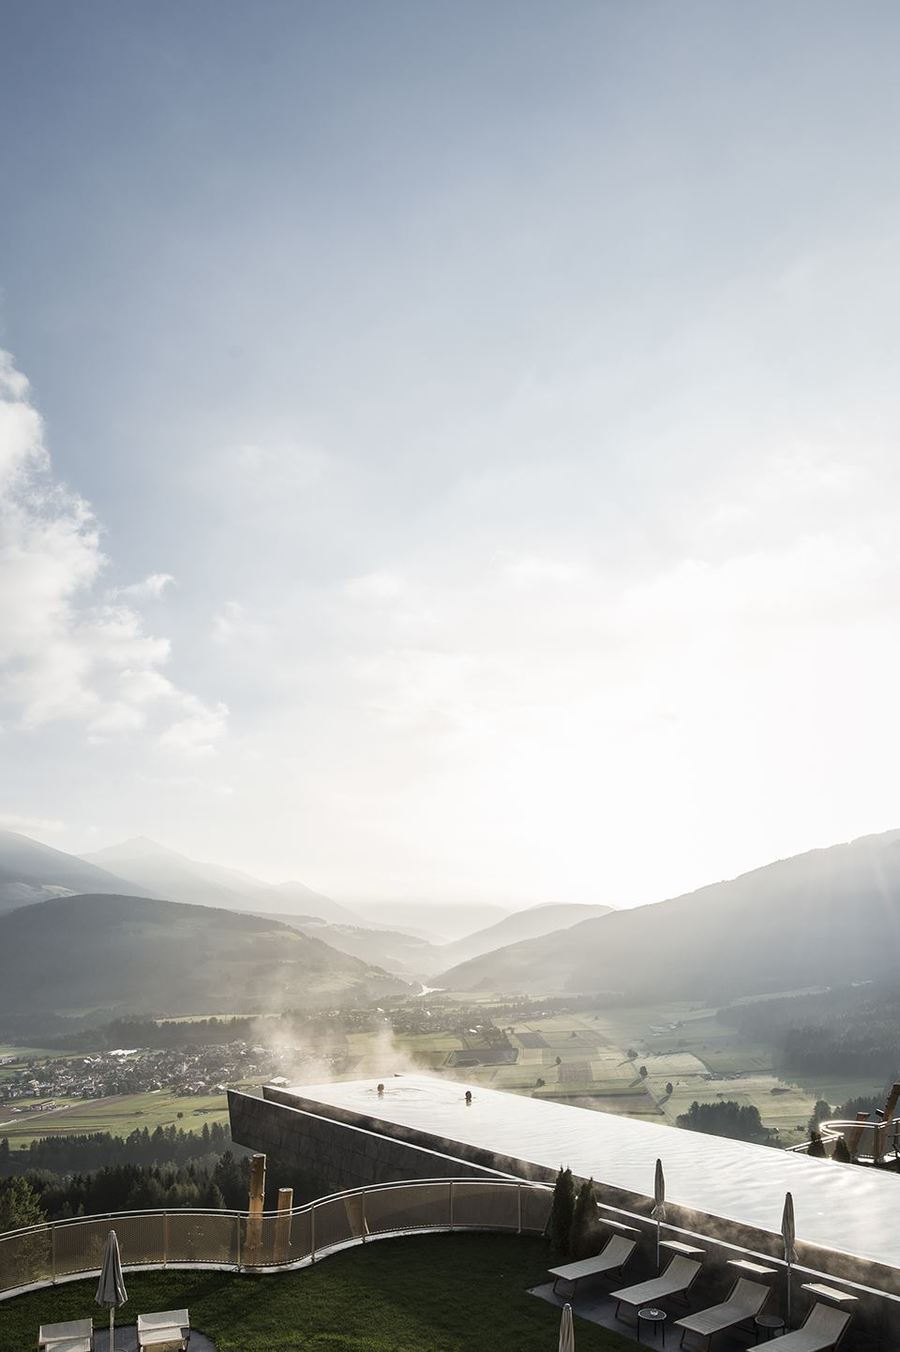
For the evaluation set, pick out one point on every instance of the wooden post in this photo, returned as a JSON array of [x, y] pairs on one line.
[[255, 1209], [854, 1135], [283, 1225], [889, 1110]]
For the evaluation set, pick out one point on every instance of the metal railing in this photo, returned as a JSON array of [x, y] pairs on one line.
[[865, 1139], [59, 1250], [67, 1250]]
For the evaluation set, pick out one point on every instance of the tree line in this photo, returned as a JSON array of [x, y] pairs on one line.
[[40, 1195], [847, 1030], [84, 1153], [739, 1122]]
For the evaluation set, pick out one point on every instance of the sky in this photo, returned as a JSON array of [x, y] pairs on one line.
[[450, 451]]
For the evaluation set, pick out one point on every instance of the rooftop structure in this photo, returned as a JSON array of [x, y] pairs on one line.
[[839, 1207]]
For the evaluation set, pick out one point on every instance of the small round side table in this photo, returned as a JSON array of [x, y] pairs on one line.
[[655, 1318], [770, 1324]]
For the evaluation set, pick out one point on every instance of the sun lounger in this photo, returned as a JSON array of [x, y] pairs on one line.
[[677, 1280], [822, 1330], [167, 1331], [612, 1258], [78, 1331], [745, 1300]]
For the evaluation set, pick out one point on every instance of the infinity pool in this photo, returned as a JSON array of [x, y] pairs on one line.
[[839, 1206]]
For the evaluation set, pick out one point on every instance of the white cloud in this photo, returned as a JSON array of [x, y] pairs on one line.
[[148, 589], [31, 826], [65, 653], [379, 586], [198, 730]]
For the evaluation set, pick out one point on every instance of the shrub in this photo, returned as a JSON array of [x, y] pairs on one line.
[[841, 1152], [583, 1235], [559, 1226], [816, 1146]]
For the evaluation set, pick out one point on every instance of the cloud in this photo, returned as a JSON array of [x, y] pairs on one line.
[[379, 586], [31, 826], [67, 653], [147, 590], [198, 730]]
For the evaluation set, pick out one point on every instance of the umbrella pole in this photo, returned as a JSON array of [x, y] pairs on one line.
[[112, 1328], [788, 1297], [657, 1247]]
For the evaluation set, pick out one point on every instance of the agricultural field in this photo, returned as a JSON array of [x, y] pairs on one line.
[[581, 1058], [24, 1053], [577, 1057], [118, 1115]]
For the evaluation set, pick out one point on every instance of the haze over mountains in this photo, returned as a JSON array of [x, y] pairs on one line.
[[431, 920], [521, 925], [827, 917], [410, 955], [157, 871], [103, 952], [30, 872]]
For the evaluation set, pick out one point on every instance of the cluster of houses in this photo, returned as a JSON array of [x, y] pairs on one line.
[[34, 1085]]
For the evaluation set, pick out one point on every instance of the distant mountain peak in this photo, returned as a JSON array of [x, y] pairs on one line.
[[142, 847], [825, 917]]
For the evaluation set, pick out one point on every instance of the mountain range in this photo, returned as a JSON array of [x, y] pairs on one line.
[[154, 870], [411, 956], [125, 954], [533, 923], [827, 917], [31, 872]]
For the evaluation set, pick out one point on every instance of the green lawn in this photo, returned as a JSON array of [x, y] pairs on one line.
[[430, 1293]]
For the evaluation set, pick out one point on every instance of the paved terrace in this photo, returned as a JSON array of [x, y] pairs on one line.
[[839, 1207]]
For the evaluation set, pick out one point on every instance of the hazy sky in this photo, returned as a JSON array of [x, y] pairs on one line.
[[450, 450]]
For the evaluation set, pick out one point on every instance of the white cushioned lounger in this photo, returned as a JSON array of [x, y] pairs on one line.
[[167, 1329], [823, 1329], [612, 1258], [745, 1300], [677, 1280], [72, 1329]]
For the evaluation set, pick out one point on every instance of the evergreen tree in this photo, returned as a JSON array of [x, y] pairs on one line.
[[583, 1234], [816, 1146], [726, 1118], [211, 1197], [559, 1226], [229, 1179], [820, 1113], [841, 1152], [19, 1207]]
